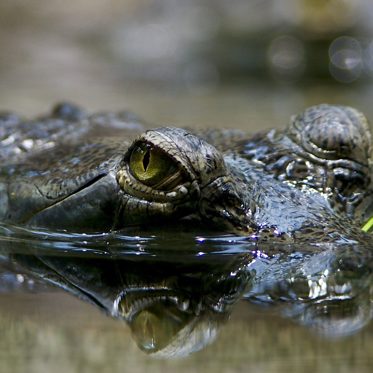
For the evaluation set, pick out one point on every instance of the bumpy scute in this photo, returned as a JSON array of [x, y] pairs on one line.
[[72, 170], [333, 132]]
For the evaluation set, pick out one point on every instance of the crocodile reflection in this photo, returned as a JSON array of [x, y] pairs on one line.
[[175, 305], [329, 291], [172, 309]]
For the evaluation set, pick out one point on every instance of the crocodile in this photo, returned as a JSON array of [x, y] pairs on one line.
[[76, 171]]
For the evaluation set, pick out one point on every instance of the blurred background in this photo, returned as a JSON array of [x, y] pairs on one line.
[[236, 63]]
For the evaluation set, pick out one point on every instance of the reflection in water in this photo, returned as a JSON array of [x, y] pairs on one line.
[[172, 308], [175, 294], [329, 291]]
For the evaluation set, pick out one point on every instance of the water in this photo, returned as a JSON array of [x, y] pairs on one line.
[[115, 302], [136, 303]]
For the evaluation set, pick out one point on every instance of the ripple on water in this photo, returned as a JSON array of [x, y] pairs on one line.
[[326, 287]]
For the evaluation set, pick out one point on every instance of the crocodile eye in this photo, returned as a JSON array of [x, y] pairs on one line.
[[152, 166]]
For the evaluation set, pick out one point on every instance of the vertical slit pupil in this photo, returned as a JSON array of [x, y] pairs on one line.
[[146, 160]]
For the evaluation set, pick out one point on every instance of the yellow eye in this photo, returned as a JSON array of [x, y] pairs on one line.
[[151, 166]]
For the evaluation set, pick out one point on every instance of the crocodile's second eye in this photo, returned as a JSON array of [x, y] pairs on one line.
[[151, 166]]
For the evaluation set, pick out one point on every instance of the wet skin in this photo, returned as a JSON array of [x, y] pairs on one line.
[[71, 170]]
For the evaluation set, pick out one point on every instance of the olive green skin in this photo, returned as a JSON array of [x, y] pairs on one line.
[[309, 182]]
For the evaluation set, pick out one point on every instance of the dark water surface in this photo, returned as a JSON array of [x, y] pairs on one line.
[[185, 302]]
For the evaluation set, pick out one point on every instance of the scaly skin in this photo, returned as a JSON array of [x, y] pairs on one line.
[[70, 170]]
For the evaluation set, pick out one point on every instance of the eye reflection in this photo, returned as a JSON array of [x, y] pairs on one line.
[[154, 328]]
